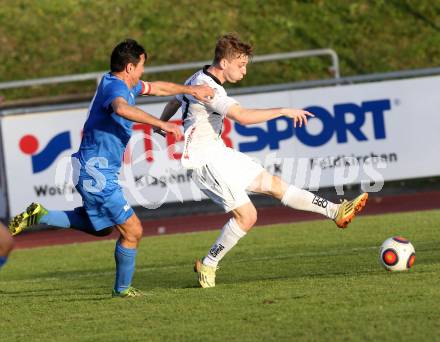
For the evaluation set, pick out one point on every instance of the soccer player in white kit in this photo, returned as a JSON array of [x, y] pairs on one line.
[[226, 175]]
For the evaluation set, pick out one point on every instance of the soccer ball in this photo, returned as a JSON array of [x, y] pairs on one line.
[[397, 254]]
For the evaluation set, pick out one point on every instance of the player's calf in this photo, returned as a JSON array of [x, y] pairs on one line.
[[245, 216]]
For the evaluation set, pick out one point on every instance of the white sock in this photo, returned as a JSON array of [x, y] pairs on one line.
[[228, 238], [300, 199]]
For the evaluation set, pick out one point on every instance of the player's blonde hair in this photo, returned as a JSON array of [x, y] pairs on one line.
[[231, 46]]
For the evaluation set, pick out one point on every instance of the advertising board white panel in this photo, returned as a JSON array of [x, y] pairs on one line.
[[362, 133]]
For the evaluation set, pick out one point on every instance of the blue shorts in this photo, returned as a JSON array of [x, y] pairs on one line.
[[107, 207]]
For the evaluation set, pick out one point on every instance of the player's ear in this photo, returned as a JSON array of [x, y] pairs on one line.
[[129, 67], [223, 63]]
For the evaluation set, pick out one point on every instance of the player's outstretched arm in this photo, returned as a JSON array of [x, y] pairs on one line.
[[132, 113], [201, 92], [247, 116]]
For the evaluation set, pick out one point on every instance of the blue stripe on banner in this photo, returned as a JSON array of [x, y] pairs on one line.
[[54, 148]]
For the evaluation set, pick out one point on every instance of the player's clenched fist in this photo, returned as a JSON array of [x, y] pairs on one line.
[[172, 128], [202, 92]]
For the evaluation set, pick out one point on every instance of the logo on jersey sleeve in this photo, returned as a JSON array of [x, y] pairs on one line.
[[29, 145]]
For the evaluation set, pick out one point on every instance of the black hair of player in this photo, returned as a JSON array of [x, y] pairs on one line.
[[126, 52]]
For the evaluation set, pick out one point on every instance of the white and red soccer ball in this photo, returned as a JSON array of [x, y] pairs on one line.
[[397, 254]]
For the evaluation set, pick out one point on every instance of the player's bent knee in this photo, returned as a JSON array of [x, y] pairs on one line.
[[139, 233], [246, 216], [278, 187], [134, 234], [252, 218], [131, 231], [248, 220]]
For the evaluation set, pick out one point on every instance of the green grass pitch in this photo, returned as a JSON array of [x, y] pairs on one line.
[[307, 281]]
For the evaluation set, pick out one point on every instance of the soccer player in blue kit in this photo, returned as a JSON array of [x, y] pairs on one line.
[[97, 163]]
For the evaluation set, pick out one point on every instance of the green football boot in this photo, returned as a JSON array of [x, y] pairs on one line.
[[131, 292], [348, 210], [205, 274], [26, 219]]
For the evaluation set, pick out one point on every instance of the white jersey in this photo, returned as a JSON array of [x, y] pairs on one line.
[[203, 122], [222, 173]]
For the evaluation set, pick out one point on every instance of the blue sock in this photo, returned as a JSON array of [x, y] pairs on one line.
[[77, 219], [125, 261], [56, 218], [3, 260]]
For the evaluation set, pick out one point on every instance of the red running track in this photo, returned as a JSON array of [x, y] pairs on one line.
[[268, 215]]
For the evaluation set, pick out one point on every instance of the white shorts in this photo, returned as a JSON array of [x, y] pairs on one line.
[[225, 178]]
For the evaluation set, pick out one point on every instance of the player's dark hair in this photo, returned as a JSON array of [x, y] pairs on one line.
[[231, 46], [128, 51]]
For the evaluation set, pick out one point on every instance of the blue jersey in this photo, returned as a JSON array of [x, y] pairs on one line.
[[105, 133]]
